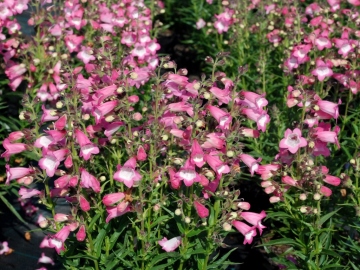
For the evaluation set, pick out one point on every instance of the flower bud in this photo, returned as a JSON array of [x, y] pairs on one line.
[[85, 116], [227, 227], [164, 137], [230, 153], [274, 199], [303, 196], [233, 215], [303, 209], [102, 178], [109, 118], [317, 196], [120, 90], [156, 207], [207, 96], [199, 123], [59, 105], [187, 220], [178, 212]]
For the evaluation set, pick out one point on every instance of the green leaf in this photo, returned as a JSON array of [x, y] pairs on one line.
[[222, 262], [282, 241], [163, 256], [159, 220], [93, 220], [195, 232], [12, 209], [323, 219], [99, 240]]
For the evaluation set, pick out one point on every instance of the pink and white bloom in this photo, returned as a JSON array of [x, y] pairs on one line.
[[250, 162], [223, 118], [26, 193], [170, 245], [51, 160], [293, 140], [12, 148], [259, 116], [197, 154], [323, 70], [4, 246], [216, 164], [246, 230], [329, 108], [200, 24], [254, 219], [87, 148], [16, 173], [87, 180], [188, 174], [111, 199], [117, 211], [127, 173], [45, 259]]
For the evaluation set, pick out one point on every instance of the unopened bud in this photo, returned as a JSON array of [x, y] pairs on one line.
[[109, 118], [178, 212], [136, 133], [85, 116], [59, 105], [233, 215], [113, 141], [317, 196], [102, 178], [230, 153], [164, 137], [36, 61], [226, 227], [120, 90], [199, 123], [303, 209], [22, 116], [303, 196], [156, 207], [187, 220], [207, 96], [204, 223]]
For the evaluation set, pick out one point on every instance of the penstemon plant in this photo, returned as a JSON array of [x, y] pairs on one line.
[[146, 168]]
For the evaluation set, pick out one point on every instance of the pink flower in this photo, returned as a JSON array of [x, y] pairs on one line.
[[223, 96], [12, 148], [101, 110], [200, 23], [261, 117], [254, 219], [216, 164], [250, 162], [113, 198], [223, 118], [322, 70], [332, 180], [288, 181], [89, 181], [117, 211], [45, 259], [51, 160], [17, 172], [325, 191], [81, 234], [127, 173], [214, 140], [329, 108], [197, 154], [293, 140], [26, 193], [4, 247], [86, 146], [84, 204], [170, 245], [141, 154], [188, 174], [201, 210], [246, 230]]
